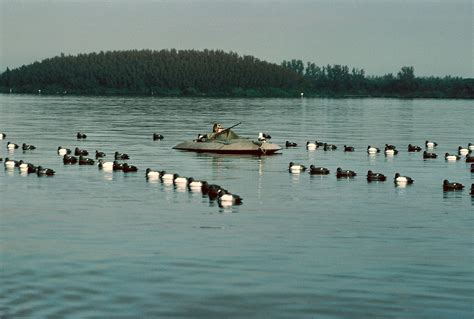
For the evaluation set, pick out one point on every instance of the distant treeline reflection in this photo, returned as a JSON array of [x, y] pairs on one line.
[[216, 73]]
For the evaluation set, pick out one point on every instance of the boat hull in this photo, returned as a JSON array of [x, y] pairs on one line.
[[235, 147]]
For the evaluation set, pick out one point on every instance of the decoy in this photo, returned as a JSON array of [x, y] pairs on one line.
[[402, 179], [26, 147], [69, 159], [44, 171], [157, 136], [414, 148], [318, 170], [63, 151], [79, 152], [99, 154], [296, 168], [121, 156], [447, 186], [430, 144], [427, 155], [371, 176], [12, 146], [340, 173]]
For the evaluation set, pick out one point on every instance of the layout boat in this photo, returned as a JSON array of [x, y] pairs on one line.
[[227, 142]]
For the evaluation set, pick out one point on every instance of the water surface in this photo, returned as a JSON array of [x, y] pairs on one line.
[[87, 243]]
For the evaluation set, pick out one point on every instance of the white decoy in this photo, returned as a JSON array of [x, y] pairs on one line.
[[169, 177], [152, 174], [311, 145], [463, 151], [372, 150], [402, 179], [12, 146], [3, 136], [431, 144], [180, 180], [63, 151], [451, 157], [390, 151], [296, 168], [9, 164], [106, 166]]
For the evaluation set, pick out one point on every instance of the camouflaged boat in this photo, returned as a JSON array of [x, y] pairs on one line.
[[227, 142]]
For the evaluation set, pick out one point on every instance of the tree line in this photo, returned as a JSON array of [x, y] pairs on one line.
[[336, 80], [215, 73]]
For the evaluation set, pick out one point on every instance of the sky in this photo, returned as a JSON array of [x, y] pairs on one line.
[[435, 37]]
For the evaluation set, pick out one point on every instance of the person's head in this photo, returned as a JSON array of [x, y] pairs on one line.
[[217, 127]]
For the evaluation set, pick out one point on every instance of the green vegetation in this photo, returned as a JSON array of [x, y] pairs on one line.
[[337, 80], [215, 73]]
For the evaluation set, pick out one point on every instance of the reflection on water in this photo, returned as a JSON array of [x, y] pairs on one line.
[[299, 246]]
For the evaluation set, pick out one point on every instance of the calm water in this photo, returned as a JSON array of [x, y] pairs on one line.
[[86, 243]]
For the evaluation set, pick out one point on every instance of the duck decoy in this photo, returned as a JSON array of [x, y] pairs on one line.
[[296, 168], [390, 151], [373, 150], [27, 168], [427, 155], [79, 152], [414, 148], [69, 159], [121, 156], [318, 170], [181, 180], [168, 177], [470, 146], [196, 185], [430, 144], [398, 179], [290, 144], [311, 145], [63, 151], [329, 147], [99, 154], [44, 171], [319, 144], [340, 173], [451, 157], [152, 174], [372, 177], [215, 191], [12, 146], [129, 168], [469, 158], [157, 136], [227, 199], [348, 148], [205, 188], [11, 163], [85, 161], [27, 147], [108, 166], [80, 135], [3, 136], [447, 186], [463, 151], [391, 147], [116, 166]]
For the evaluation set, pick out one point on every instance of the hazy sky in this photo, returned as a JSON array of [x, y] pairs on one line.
[[436, 37]]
